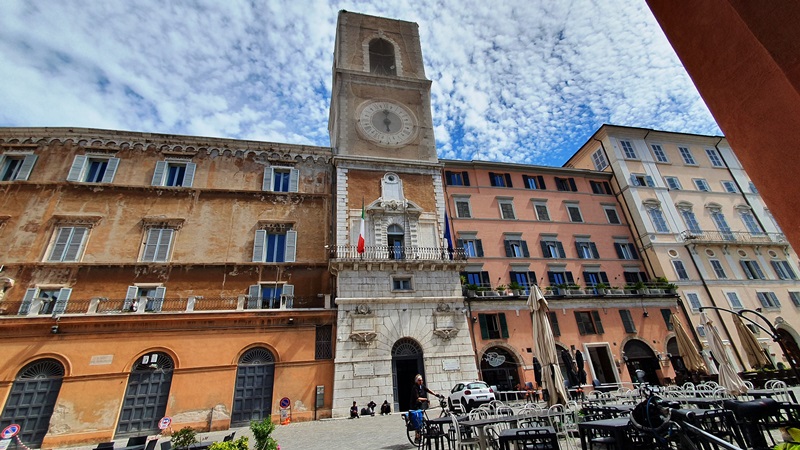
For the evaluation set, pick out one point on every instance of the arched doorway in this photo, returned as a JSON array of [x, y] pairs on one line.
[[252, 397], [638, 356], [675, 356], [32, 399], [499, 368], [146, 396], [394, 236], [792, 349], [407, 362]]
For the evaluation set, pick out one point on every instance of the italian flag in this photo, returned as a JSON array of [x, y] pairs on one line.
[[361, 242]]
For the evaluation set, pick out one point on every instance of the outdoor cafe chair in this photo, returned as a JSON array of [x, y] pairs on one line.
[[563, 423], [503, 411], [458, 439]]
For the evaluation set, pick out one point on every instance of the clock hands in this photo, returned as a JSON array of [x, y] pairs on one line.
[[386, 120]]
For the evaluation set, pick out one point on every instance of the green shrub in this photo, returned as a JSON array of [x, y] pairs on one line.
[[238, 444], [183, 438], [261, 433]]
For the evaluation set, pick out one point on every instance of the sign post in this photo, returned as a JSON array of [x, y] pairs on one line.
[[286, 411]]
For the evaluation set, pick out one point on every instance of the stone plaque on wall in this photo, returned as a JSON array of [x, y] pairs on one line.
[[363, 324], [363, 370], [451, 364], [101, 360]]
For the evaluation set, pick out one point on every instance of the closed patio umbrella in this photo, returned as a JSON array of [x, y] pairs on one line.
[[572, 376], [581, 368], [728, 378], [755, 356], [545, 348], [691, 356]]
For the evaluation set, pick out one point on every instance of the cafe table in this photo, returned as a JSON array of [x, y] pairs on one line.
[[478, 425], [536, 436], [761, 393], [614, 427]]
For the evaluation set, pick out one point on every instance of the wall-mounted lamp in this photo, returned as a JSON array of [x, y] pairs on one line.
[[54, 329], [291, 320], [645, 314], [474, 318]]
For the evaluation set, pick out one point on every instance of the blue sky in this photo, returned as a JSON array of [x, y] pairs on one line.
[[519, 80]]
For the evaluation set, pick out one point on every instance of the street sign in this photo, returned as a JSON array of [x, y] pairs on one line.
[[10, 431], [4, 443], [164, 423], [285, 402]]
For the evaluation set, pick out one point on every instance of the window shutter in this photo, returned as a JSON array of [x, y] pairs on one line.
[[627, 321], [578, 249], [650, 181], [570, 279], [507, 246], [593, 246], [634, 254], [525, 251], [545, 251], [758, 271], [188, 176], [541, 182], [603, 277], [581, 326], [465, 176], [775, 299], [291, 246], [62, 238], [586, 278], [643, 276], [484, 327], [503, 326], [259, 246], [491, 179], [26, 168], [631, 277], [164, 245], [287, 296], [448, 177], [25, 307], [525, 183], [485, 279], [478, 247], [597, 322], [459, 243], [266, 184], [111, 170], [618, 248], [159, 172], [158, 300], [634, 180], [551, 277], [789, 270], [532, 278], [294, 180], [130, 296], [554, 323], [561, 251], [508, 180], [607, 185], [746, 270], [572, 185], [778, 270], [76, 169], [762, 298], [254, 296], [75, 244], [61, 302], [150, 245]]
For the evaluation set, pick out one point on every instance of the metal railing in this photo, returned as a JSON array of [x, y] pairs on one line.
[[730, 237], [387, 253]]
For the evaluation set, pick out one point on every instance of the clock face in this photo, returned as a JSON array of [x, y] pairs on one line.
[[386, 123]]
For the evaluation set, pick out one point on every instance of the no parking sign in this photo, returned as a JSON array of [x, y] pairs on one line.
[[10, 431], [164, 423]]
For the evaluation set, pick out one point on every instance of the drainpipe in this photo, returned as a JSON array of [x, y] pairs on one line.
[[472, 337]]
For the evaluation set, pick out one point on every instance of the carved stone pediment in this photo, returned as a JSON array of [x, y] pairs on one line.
[[363, 337]]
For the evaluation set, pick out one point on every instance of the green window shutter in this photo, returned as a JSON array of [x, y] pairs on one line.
[[627, 321], [77, 168], [478, 248], [579, 321], [484, 326], [259, 246], [598, 324], [503, 326], [291, 246], [553, 317], [111, 170], [507, 246], [159, 173]]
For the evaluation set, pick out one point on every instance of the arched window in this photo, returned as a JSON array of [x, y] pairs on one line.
[[381, 57]]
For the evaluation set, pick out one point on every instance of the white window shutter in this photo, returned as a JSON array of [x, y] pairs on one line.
[[159, 173], [762, 299], [25, 307], [294, 180], [133, 293], [61, 302], [159, 300], [26, 168], [188, 176], [287, 296], [75, 244], [254, 296], [260, 245], [77, 168], [111, 170], [62, 238], [267, 183], [291, 246], [164, 245]]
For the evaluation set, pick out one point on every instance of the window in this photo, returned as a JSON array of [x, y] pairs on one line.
[[588, 322], [275, 245], [666, 314], [472, 247], [752, 187], [722, 225], [16, 167], [768, 300], [323, 342], [456, 178], [493, 326], [552, 249], [752, 270], [90, 169], [701, 331], [524, 279], [600, 187], [158, 244], [516, 247], [599, 159], [640, 179], [729, 186], [50, 300], [718, 270], [536, 182], [381, 57], [657, 217], [687, 156], [701, 185], [500, 179], [633, 277], [595, 278], [784, 270], [733, 300], [626, 250], [658, 152], [541, 211], [554, 323], [506, 209], [566, 184], [611, 215], [478, 278], [172, 173], [751, 223], [270, 296], [694, 301], [627, 321], [463, 210], [587, 250], [151, 298], [795, 298], [628, 150], [574, 212], [280, 179], [691, 221], [714, 157], [680, 269], [560, 277], [401, 283], [673, 183], [68, 245]]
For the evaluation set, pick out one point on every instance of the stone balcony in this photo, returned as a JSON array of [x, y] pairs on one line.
[[393, 258], [734, 237]]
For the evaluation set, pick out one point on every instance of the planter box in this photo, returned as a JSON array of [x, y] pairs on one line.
[[614, 291]]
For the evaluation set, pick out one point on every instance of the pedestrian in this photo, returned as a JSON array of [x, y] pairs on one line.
[[354, 411], [421, 393], [371, 405], [386, 408]]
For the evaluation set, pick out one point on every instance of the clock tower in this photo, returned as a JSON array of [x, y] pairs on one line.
[[400, 308]]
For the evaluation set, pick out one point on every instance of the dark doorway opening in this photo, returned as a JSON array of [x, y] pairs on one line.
[[407, 362]]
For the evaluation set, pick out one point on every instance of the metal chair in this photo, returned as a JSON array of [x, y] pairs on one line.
[[456, 436]]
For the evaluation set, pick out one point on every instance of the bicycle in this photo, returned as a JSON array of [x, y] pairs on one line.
[[414, 428]]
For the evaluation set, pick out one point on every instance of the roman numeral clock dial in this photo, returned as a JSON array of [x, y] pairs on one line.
[[386, 123]]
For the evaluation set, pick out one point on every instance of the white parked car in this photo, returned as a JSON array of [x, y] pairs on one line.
[[470, 394]]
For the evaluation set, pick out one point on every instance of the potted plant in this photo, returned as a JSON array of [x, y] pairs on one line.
[[482, 290], [471, 289], [501, 289], [262, 432], [516, 288], [600, 288]]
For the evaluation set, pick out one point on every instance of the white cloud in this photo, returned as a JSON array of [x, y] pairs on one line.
[[514, 80]]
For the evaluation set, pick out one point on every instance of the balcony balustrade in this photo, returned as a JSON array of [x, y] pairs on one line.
[[387, 253], [734, 237]]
